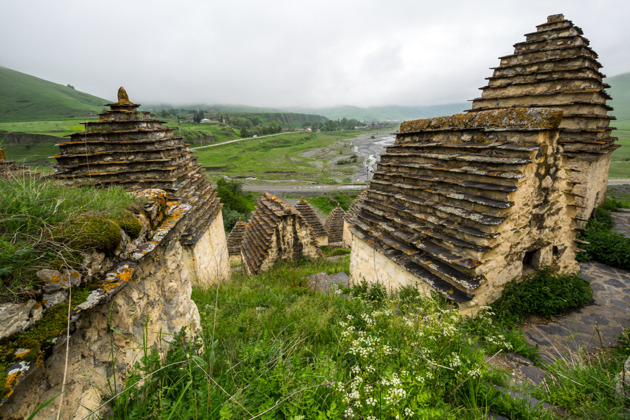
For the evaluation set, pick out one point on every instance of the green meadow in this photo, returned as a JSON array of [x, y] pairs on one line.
[[620, 159], [294, 156]]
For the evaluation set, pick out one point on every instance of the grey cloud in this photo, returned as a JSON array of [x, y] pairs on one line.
[[284, 53]]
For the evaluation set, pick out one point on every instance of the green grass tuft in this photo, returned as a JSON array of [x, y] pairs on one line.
[[43, 224]]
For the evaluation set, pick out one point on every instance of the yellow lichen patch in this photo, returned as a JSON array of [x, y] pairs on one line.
[[12, 381], [21, 352]]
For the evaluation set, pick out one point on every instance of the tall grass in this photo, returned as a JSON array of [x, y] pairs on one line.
[[271, 348], [32, 214]]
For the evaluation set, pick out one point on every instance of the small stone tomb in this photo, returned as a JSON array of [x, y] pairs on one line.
[[334, 226], [234, 240], [276, 231], [463, 204]]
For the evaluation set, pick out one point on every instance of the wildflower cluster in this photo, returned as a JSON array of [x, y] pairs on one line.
[[404, 361]]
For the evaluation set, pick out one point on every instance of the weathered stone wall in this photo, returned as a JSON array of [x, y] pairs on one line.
[[375, 268], [591, 180], [154, 305], [143, 295], [209, 256]]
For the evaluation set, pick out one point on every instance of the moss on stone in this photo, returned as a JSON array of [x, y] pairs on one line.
[[129, 223], [90, 232], [52, 324]]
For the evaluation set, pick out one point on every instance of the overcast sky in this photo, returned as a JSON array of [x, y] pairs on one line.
[[289, 52]]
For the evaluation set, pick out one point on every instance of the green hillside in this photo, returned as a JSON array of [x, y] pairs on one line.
[[620, 92], [28, 98]]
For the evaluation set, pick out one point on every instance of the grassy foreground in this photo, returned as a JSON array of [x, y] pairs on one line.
[[271, 348]]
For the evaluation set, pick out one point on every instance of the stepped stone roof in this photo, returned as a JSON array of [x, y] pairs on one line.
[[556, 68], [128, 148], [235, 238], [334, 225], [459, 200], [351, 214], [276, 231], [306, 210]]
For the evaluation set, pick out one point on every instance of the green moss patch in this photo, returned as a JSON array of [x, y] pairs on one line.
[[129, 223], [89, 232], [39, 336]]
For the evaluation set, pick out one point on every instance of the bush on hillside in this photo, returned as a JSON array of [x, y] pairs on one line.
[[236, 203]]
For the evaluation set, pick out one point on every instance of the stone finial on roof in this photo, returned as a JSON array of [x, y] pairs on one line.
[[555, 18], [276, 231], [123, 98]]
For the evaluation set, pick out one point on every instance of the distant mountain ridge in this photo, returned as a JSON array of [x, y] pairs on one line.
[[28, 98]]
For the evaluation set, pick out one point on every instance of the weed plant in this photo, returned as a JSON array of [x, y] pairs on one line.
[[43, 224], [544, 294], [585, 384], [271, 348]]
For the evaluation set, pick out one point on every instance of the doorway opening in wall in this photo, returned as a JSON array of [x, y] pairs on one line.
[[531, 261]]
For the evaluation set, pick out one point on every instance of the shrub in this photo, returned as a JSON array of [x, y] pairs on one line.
[[605, 246], [544, 293]]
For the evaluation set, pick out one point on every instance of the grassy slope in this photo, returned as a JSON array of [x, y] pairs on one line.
[[28, 98], [620, 92]]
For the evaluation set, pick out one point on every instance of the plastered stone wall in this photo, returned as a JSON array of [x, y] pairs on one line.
[[369, 265], [591, 178], [347, 235], [209, 256], [155, 304]]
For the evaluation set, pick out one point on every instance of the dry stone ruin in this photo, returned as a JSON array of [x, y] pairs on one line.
[[276, 231], [334, 226], [308, 212], [9, 168], [234, 240], [463, 204], [556, 68]]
